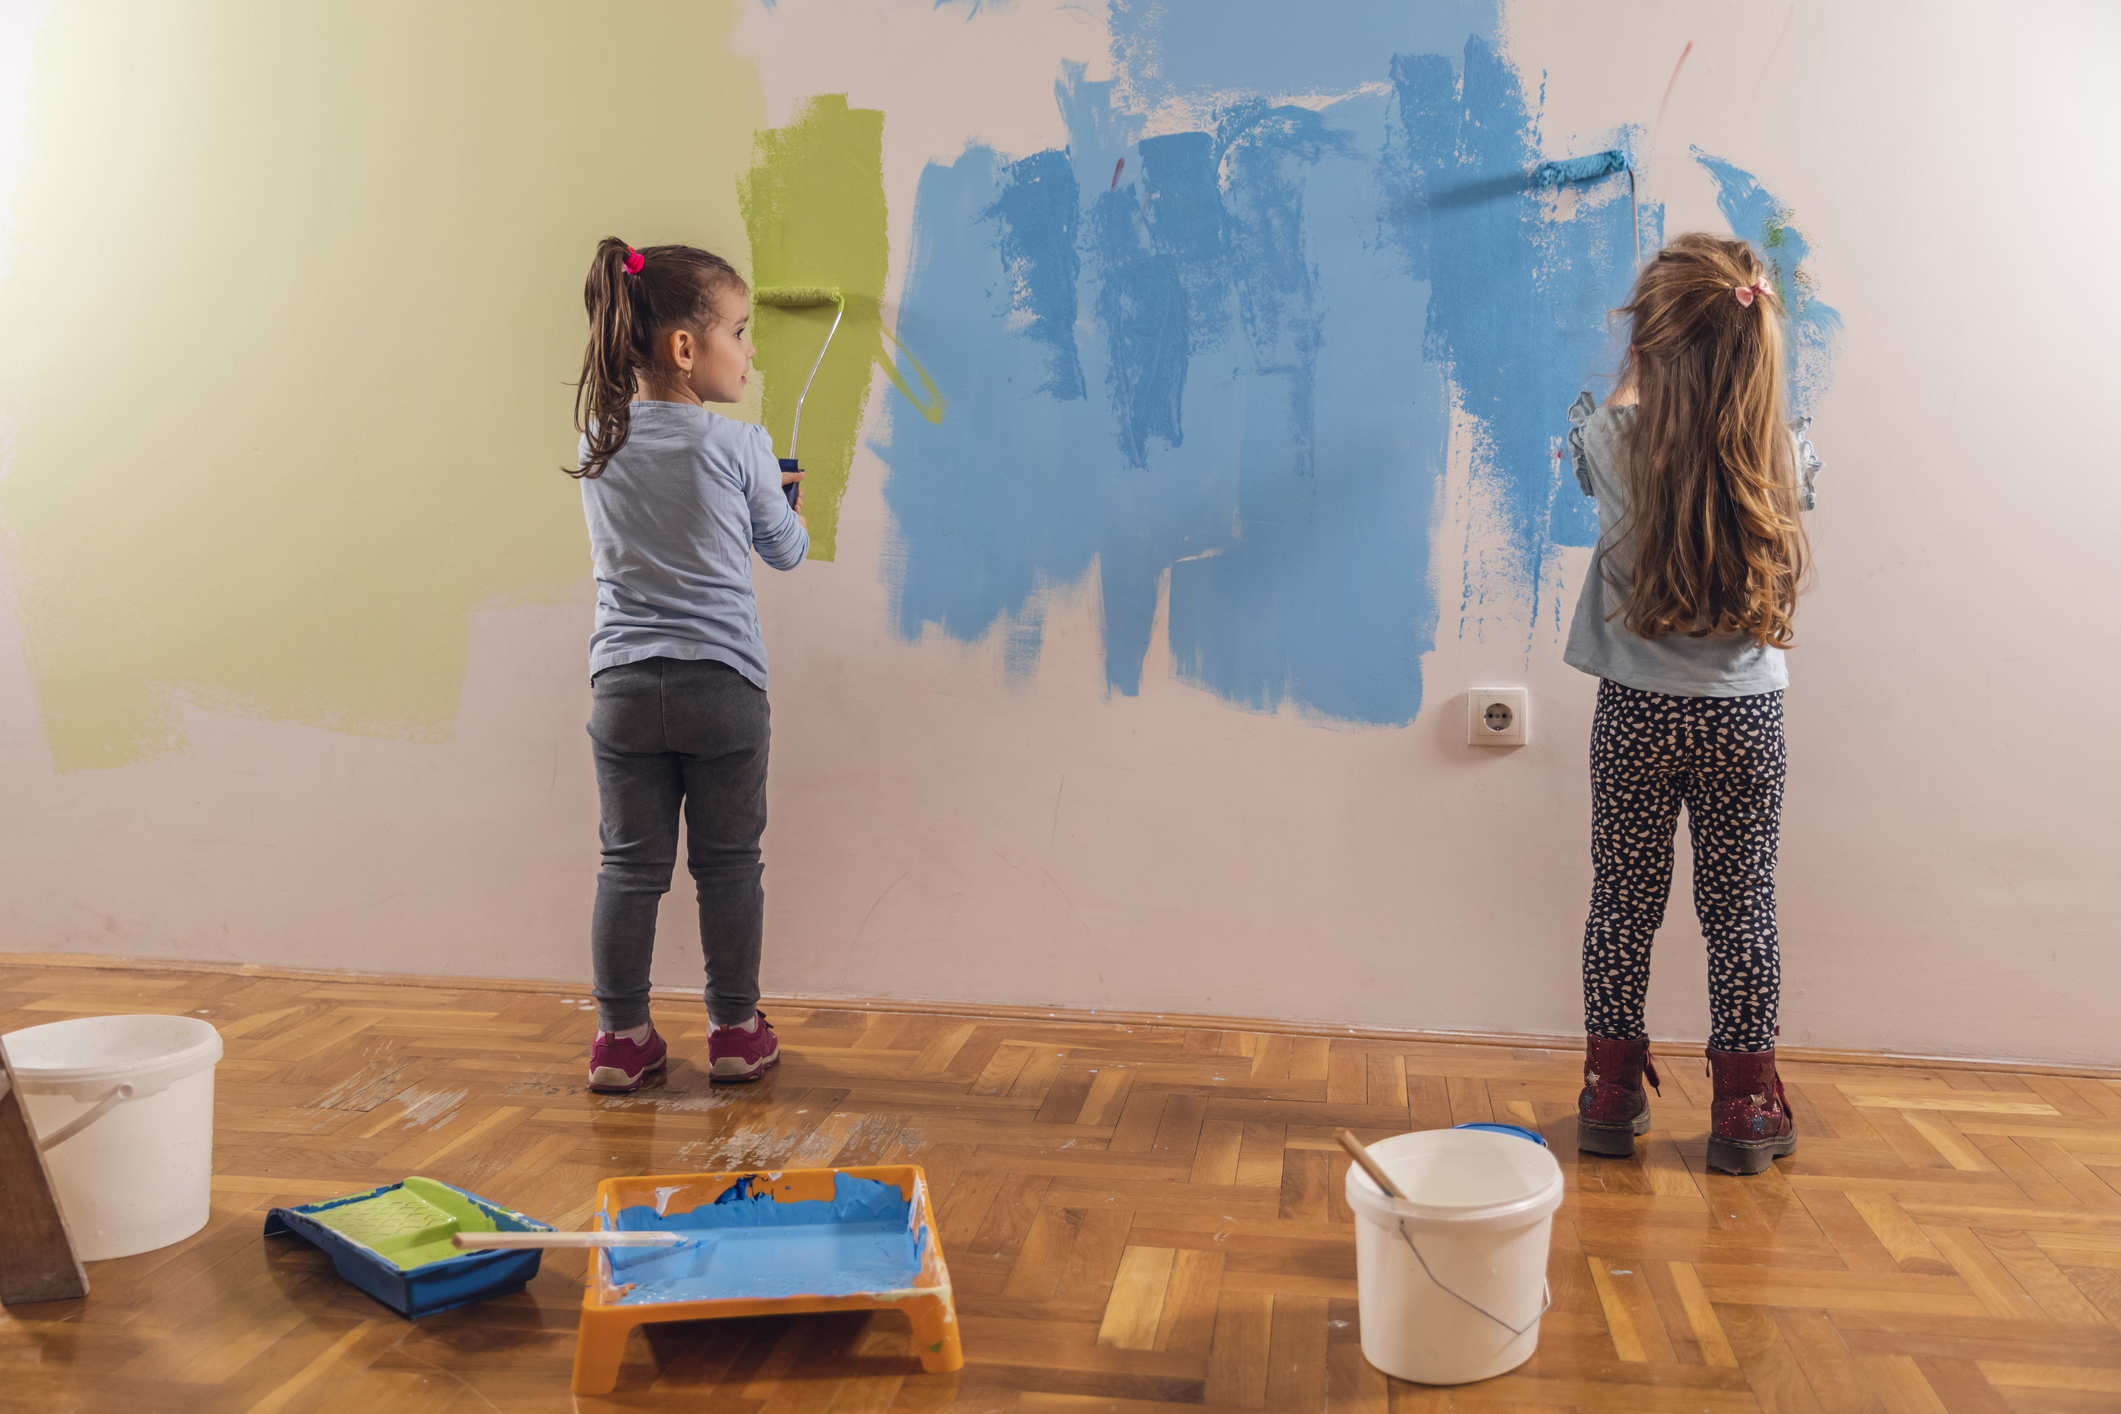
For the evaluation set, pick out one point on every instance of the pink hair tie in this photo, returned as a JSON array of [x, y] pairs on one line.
[[1745, 293], [635, 260]]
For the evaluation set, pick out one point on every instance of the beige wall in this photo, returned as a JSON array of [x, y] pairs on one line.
[[291, 663], [294, 289]]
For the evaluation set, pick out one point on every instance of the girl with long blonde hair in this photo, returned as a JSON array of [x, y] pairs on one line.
[[1699, 477]]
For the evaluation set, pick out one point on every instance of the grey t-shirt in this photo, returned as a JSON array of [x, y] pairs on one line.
[[1600, 642], [672, 524]]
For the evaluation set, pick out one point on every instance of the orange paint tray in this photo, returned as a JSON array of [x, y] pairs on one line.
[[770, 1243]]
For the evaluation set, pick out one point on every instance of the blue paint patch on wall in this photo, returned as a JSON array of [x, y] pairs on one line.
[[1181, 208], [1141, 311], [1036, 212], [1195, 49], [1517, 311], [1228, 366], [1814, 326]]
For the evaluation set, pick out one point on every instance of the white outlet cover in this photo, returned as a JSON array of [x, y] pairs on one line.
[[1500, 716]]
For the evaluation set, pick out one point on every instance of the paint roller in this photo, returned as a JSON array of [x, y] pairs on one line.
[[598, 1237], [802, 297], [1549, 176]]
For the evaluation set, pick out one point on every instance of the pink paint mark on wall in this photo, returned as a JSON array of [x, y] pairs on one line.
[[1671, 84]]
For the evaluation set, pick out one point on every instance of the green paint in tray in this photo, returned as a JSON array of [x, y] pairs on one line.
[[409, 1225]]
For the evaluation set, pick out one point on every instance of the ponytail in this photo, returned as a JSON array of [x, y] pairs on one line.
[[603, 399], [633, 299]]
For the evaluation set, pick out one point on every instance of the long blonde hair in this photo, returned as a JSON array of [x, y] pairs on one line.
[[1711, 525]]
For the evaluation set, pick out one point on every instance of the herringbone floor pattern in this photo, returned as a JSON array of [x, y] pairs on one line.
[[1138, 1218]]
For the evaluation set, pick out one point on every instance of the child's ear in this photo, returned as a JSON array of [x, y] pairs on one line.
[[682, 349]]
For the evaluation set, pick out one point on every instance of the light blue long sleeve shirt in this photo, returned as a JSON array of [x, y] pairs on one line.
[[672, 524], [1600, 642]]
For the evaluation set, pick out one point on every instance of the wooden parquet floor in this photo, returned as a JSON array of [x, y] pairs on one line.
[[1139, 1219]]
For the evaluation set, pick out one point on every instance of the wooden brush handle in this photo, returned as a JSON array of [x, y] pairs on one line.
[[1369, 1165], [472, 1241]]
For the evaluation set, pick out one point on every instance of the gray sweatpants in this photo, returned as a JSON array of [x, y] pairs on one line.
[[669, 733]]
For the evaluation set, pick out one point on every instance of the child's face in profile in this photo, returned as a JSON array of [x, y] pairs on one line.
[[721, 360]]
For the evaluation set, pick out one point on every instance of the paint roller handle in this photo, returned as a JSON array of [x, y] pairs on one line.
[[483, 1241], [1378, 1176], [792, 483]]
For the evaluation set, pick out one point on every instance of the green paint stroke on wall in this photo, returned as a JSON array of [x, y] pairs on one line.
[[813, 204], [297, 293]]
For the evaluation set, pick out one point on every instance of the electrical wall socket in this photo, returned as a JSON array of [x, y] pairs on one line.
[[1499, 717]]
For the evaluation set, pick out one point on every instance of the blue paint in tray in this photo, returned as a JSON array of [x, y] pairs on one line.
[[748, 1246]]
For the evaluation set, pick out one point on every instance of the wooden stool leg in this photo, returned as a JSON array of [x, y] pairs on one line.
[[935, 1337], [37, 1261], [599, 1350]]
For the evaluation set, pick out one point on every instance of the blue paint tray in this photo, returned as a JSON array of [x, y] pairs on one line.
[[824, 1266], [393, 1243]]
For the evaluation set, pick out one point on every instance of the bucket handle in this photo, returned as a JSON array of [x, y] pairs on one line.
[[1545, 1285], [53, 1141]]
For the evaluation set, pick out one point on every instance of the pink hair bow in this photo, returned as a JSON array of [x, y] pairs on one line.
[[1745, 293], [635, 260]]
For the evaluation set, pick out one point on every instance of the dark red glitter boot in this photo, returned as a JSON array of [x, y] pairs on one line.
[[1613, 1107], [1749, 1120]]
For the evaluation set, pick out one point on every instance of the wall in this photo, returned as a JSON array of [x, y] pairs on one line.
[[1185, 459]]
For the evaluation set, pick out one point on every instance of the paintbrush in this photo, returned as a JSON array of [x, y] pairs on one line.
[[1378, 1176], [471, 1241]]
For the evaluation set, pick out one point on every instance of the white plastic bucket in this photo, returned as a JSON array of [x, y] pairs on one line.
[[123, 1107], [1452, 1283]]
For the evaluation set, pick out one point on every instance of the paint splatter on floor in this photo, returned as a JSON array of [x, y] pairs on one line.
[[363, 1090], [429, 1108], [669, 1101]]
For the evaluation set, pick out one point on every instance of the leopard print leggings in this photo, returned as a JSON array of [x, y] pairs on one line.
[[1722, 758]]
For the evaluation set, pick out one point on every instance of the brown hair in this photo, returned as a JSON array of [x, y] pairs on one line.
[[1712, 479], [629, 313]]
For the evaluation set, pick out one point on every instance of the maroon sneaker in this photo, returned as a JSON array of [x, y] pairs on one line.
[[1749, 1120], [736, 1055], [1613, 1109], [616, 1063]]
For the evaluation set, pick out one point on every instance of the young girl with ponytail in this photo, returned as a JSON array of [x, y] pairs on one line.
[[1699, 478], [677, 498]]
